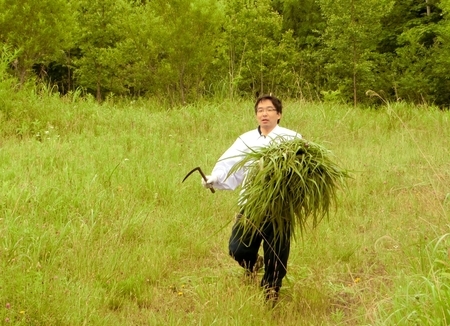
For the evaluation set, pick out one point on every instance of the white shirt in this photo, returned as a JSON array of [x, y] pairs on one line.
[[246, 142]]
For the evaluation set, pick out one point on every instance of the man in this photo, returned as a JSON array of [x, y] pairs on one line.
[[244, 248]]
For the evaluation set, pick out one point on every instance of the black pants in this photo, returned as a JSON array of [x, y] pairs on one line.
[[276, 252]]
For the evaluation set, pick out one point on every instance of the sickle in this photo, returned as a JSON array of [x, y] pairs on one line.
[[203, 176]]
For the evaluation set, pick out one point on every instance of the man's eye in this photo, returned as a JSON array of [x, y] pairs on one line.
[[266, 110]]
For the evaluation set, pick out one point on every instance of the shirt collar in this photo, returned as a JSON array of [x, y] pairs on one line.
[[273, 130]]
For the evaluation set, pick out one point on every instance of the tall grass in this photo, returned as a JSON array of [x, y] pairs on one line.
[[96, 227], [291, 182]]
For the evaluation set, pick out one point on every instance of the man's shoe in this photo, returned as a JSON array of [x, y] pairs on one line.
[[272, 295]]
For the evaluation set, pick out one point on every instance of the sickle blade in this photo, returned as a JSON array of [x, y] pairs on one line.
[[201, 172], [190, 172]]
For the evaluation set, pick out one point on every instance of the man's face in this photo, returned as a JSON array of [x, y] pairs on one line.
[[267, 115]]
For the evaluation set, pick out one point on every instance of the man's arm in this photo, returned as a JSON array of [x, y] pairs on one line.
[[218, 177]]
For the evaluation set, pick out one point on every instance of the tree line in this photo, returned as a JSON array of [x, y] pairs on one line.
[[356, 51]]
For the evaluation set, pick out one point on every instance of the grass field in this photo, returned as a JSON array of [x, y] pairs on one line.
[[96, 227]]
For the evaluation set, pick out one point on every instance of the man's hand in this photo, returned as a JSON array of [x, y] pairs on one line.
[[210, 179]]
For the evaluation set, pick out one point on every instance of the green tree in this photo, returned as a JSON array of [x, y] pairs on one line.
[[147, 48], [6, 81], [307, 23], [142, 52], [101, 27], [405, 15], [441, 54], [409, 39], [40, 30], [257, 54], [303, 18], [189, 35], [351, 39]]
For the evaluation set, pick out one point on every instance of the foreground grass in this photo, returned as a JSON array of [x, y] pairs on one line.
[[96, 227]]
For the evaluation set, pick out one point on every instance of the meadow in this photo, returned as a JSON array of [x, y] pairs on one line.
[[96, 227]]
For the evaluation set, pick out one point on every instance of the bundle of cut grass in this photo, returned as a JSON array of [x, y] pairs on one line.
[[288, 182]]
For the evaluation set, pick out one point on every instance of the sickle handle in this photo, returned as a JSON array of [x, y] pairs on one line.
[[204, 178]]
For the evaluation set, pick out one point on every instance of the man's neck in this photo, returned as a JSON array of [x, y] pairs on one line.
[[265, 131]]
